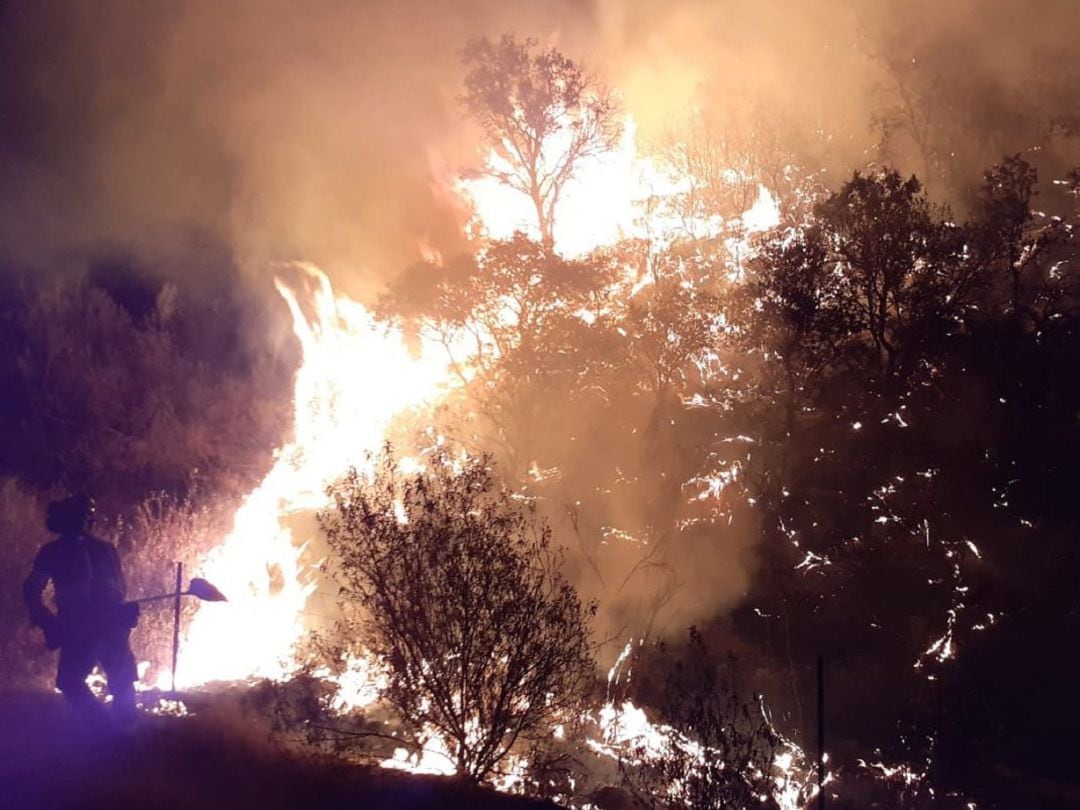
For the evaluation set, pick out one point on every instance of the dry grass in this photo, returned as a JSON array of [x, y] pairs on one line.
[[23, 659]]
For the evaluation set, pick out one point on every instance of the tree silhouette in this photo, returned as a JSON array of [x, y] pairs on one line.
[[541, 113], [451, 582], [513, 320]]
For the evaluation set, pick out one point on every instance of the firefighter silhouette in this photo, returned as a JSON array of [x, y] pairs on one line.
[[92, 622]]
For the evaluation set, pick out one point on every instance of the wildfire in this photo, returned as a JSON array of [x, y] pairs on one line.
[[356, 376], [625, 734], [617, 195]]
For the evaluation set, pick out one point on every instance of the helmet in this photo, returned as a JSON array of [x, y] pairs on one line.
[[72, 515]]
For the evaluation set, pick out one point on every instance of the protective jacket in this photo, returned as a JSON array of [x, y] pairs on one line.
[[92, 623], [88, 584]]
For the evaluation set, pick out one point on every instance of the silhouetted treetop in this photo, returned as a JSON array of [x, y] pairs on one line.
[[541, 113]]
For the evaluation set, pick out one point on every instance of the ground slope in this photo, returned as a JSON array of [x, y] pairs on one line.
[[170, 763]]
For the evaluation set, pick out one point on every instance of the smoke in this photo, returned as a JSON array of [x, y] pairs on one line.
[[283, 131], [850, 82], [325, 131]]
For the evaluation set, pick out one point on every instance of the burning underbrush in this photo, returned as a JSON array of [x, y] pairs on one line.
[[610, 756], [708, 747], [671, 405], [339, 698]]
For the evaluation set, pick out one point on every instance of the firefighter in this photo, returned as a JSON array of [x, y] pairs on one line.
[[92, 623]]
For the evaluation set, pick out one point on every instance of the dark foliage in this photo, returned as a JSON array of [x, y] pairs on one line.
[[145, 393], [884, 401], [919, 432], [114, 398], [723, 749], [451, 583]]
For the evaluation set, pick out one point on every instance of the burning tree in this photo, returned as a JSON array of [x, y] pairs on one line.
[[541, 113], [510, 320], [450, 581]]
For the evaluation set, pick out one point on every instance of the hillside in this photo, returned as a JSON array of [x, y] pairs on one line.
[[206, 762]]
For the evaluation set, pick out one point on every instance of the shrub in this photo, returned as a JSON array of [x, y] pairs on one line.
[[450, 581]]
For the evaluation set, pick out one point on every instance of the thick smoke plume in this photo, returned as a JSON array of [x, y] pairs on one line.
[[327, 130], [285, 131]]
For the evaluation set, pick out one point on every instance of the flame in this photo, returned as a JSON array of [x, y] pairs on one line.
[[612, 196], [626, 734], [763, 214], [434, 758], [359, 685], [356, 376]]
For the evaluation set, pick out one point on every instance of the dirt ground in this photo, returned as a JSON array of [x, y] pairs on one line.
[[167, 763]]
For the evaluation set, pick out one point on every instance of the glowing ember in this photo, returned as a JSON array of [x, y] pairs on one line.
[[358, 685], [627, 735], [356, 376], [434, 758]]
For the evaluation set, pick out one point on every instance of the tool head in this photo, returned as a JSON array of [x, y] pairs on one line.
[[202, 589]]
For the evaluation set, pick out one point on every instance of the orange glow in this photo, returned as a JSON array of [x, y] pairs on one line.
[[626, 734], [612, 196], [356, 376]]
